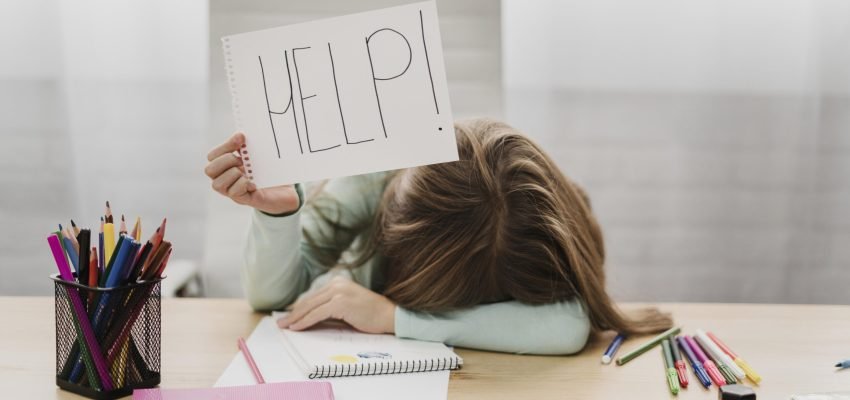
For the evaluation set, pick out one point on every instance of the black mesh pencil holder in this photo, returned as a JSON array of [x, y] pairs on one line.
[[120, 350]]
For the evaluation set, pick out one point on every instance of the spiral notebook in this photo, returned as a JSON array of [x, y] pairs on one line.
[[332, 350]]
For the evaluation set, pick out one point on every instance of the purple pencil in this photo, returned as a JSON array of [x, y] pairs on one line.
[[83, 324]]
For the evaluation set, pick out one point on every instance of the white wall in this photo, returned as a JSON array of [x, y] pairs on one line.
[[99, 100], [712, 137]]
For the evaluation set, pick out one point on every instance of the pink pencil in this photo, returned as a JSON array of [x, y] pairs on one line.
[[247, 353]]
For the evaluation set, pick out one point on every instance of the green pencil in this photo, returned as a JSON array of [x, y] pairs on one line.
[[648, 345]]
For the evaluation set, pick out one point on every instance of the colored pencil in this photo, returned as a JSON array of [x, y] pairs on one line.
[[92, 353], [648, 345], [250, 359], [123, 229], [108, 233], [75, 228], [137, 230]]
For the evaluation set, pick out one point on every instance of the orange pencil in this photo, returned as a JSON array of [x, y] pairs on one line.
[[137, 230]]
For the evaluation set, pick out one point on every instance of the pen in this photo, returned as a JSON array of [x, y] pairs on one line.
[[843, 364], [648, 345], [612, 348], [681, 369], [727, 373], [672, 375], [719, 354], [748, 370], [699, 371], [250, 359], [707, 364]]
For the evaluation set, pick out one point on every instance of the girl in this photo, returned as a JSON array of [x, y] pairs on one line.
[[498, 251]]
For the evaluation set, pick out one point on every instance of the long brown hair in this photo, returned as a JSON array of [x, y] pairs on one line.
[[503, 223]]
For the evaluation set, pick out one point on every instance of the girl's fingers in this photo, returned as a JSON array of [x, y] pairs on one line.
[[225, 180], [234, 143], [223, 163], [239, 188], [318, 314], [304, 307]]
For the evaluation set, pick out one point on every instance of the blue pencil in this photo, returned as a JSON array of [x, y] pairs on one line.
[[119, 262]]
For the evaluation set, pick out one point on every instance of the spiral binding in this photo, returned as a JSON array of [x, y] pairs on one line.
[[386, 367], [237, 114]]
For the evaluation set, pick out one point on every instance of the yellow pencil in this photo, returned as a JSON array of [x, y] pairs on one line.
[[108, 235]]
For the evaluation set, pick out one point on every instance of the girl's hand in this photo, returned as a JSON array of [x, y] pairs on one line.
[[345, 300], [228, 178]]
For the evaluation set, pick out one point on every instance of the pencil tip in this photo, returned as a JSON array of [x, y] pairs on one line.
[[837, 365], [60, 227], [107, 203], [73, 224], [122, 217]]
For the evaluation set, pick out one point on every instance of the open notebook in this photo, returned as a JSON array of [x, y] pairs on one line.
[[331, 350]]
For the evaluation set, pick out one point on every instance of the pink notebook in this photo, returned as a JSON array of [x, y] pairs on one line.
[[276, 391]]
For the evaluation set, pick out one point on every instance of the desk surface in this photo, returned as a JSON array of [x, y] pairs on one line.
[[793, 347]]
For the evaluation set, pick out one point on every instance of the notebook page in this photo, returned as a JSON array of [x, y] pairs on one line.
[[342, 96]]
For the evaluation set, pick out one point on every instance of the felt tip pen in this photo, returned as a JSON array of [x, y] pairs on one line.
[[648, 345], [672, 375], [843, 364], [679, 364], [696, 365], [748, 370], [718, 363], [612, 348], [718, 353], [707, 364]]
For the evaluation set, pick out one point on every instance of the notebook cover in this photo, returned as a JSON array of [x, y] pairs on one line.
[[268, 391]]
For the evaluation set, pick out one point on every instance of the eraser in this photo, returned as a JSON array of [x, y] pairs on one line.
[[736, 392]]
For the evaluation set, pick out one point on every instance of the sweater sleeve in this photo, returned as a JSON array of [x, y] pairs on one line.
[[512, 327], [279, 261]]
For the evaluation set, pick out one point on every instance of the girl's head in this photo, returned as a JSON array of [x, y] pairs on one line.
[[503, 223]]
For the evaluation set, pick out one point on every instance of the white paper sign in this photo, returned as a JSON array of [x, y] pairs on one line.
[[342, 96]]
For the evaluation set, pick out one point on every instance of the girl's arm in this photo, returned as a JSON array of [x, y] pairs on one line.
[[511, 327], [280, 263]]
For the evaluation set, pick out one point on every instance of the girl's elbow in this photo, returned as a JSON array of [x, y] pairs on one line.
[[569, 337]]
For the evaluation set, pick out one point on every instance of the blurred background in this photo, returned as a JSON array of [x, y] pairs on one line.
[[712, 136]]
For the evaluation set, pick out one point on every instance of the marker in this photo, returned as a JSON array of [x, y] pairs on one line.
[[681, 369], [672, 380], [748, 370], [843, 364], [724, 370], [612, 348], [696, 365], [709, 366], [648, 345], [717, 353]]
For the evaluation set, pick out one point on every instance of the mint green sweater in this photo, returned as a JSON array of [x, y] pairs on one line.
[[280, 266]]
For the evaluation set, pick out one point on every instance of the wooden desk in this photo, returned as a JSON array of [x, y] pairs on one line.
[[792, 347]]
